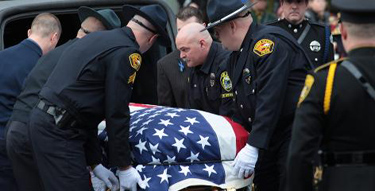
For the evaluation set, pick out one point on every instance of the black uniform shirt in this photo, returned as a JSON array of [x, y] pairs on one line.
[[348, 125], [267, 77], [204, 81], [314, 38], [93, 80]]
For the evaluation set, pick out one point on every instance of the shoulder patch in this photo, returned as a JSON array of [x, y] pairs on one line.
[[225, 81], [326, 66], [306, 89], [132, 78], [263, 47], [135, 60]]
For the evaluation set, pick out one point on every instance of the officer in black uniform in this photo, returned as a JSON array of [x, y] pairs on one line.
[[336, 111], [267, 69], [313, 37], [92, 81], [18, 144], [207, 59]]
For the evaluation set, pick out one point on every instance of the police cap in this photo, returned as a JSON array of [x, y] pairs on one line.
[[358, 11]]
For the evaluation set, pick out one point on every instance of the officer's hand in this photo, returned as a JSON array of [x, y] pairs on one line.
[[106, 176], [129, 179], [97, 184], [244, 163]]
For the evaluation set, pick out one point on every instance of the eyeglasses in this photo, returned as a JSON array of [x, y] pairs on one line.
[[143, 25], [85, 31]]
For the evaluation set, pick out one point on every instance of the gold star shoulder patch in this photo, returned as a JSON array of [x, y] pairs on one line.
[[132, 78], [306, 89], [263, 47], [135, 60]]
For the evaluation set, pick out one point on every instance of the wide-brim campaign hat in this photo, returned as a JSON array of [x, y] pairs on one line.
[[107, 16], [222, 11], [155, 14], [358, 11]]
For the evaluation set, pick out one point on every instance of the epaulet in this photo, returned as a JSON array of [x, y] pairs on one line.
[[326, 66], [273, 21]]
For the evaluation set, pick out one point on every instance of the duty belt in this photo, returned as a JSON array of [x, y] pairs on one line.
[[61, 116], [348, 158]]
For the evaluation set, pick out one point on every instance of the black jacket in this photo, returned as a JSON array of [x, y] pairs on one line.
[[316, 42], [172, 81], [346, 126], [267, 75], [93, 81]]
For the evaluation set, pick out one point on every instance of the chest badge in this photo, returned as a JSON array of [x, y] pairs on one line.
[[263, 47], [212, 79], [315, 46], [135, 60], [225, 81], [246, 75]]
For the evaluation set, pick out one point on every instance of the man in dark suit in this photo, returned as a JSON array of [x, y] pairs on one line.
[[18, 143], [335, 116], [172, 71], [15, 64]]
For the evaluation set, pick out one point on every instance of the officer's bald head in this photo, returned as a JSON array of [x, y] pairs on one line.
[[193, 44]]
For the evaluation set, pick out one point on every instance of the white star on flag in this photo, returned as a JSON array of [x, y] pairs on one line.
[[132, 128], [170, 160], [193, 157], [209, 169], [154, 148], [145, 181], [191, 120], [204, 141], [178, 110], [179, 144], [165, 122], [141, 146], [184, 170], [136, 121], [160, 133], [143, 114], [140, 131], [185, 130], [152, 116], [172, 115], [164, 176], [133, 113], [140, 168], [154, 160], [147, 122]]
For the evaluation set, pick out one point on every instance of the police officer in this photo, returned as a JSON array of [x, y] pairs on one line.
[[207, 59], [267, 69], [336, 111], [92, 81], [313, 37], [18, 144]]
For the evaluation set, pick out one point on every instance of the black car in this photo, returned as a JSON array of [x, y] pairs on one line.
[[16, 17]]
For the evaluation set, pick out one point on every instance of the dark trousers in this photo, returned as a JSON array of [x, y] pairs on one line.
[[7, 180], [270, 170], [20, 153], [59, 154]]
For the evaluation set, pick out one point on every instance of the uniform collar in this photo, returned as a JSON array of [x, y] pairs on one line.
[[249, 35], [206, 67], [128, 32], [362, 52], [295, 28], [33, 45]]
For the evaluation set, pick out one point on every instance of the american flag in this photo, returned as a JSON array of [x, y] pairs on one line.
[[177, 148]]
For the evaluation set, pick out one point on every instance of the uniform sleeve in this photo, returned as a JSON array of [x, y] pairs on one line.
[[165, 94], [121, 69], [272, 72], [92, 148], [306, 137]]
